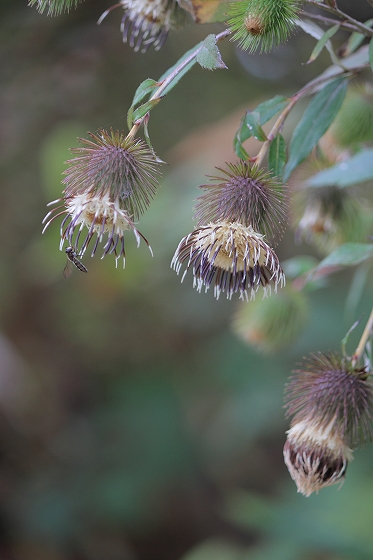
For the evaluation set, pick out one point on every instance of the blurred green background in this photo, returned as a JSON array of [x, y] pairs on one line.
[[134, 425]]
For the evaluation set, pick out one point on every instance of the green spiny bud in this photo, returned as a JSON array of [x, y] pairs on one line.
[[262, 24]]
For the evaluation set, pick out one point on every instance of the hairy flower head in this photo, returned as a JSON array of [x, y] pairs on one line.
[[148, 22], [232, 255], [102, 219], [112, 165], [332, 407], [244, 194], [262, 24]]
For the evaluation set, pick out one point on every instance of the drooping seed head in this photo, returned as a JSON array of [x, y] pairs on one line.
[[233, 256], [331, 403]]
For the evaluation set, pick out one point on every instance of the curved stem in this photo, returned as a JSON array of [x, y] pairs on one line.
[[169, 79], [368, 332], [336, 11], [306, 90], [331, 21]]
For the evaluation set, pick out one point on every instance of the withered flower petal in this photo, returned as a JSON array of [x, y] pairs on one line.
[[233, 256], [100, 216], [331, 402]]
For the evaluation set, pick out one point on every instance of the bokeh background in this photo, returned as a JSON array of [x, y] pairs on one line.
[[134, 424]]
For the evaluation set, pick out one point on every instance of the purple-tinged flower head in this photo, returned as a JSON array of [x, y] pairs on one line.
[[244, 194], [331, 403], [108, 186], [110, 164], [232, 256]]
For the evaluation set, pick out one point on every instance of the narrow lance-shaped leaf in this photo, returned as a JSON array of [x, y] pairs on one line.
[[317, 32], [277, 156], [315, 121], [355, 40], [322, 42], [208, 56], [356, 169]]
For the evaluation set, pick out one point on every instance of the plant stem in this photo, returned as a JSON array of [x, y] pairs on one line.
[[368, 331], [336, 11], [169, 79], [331, 21], [306, 90]]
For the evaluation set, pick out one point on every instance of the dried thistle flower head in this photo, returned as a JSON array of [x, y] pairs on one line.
[[110, 164], [103, 218], [107, 187], [232, 255], [244, 194], [262, 24], [148, 22], [332, 407], [329, 216], [272, 323]]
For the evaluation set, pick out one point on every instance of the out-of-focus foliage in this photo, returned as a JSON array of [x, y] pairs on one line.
[[134, 424]]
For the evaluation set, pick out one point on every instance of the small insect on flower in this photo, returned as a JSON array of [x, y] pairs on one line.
[[108, 186], [331, 402], [72, 259], [234, 255]]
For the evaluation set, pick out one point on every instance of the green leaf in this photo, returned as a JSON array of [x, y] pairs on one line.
[[277, 156], [371, 53], [317, 32], [269, 108], [315, 121], [191, 54], [266, 111], [253, 124], [239, 149], [357, 169], [296, 266], [209, 56], [144, 88], [349, 254], [145, 108], [322, 42]]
